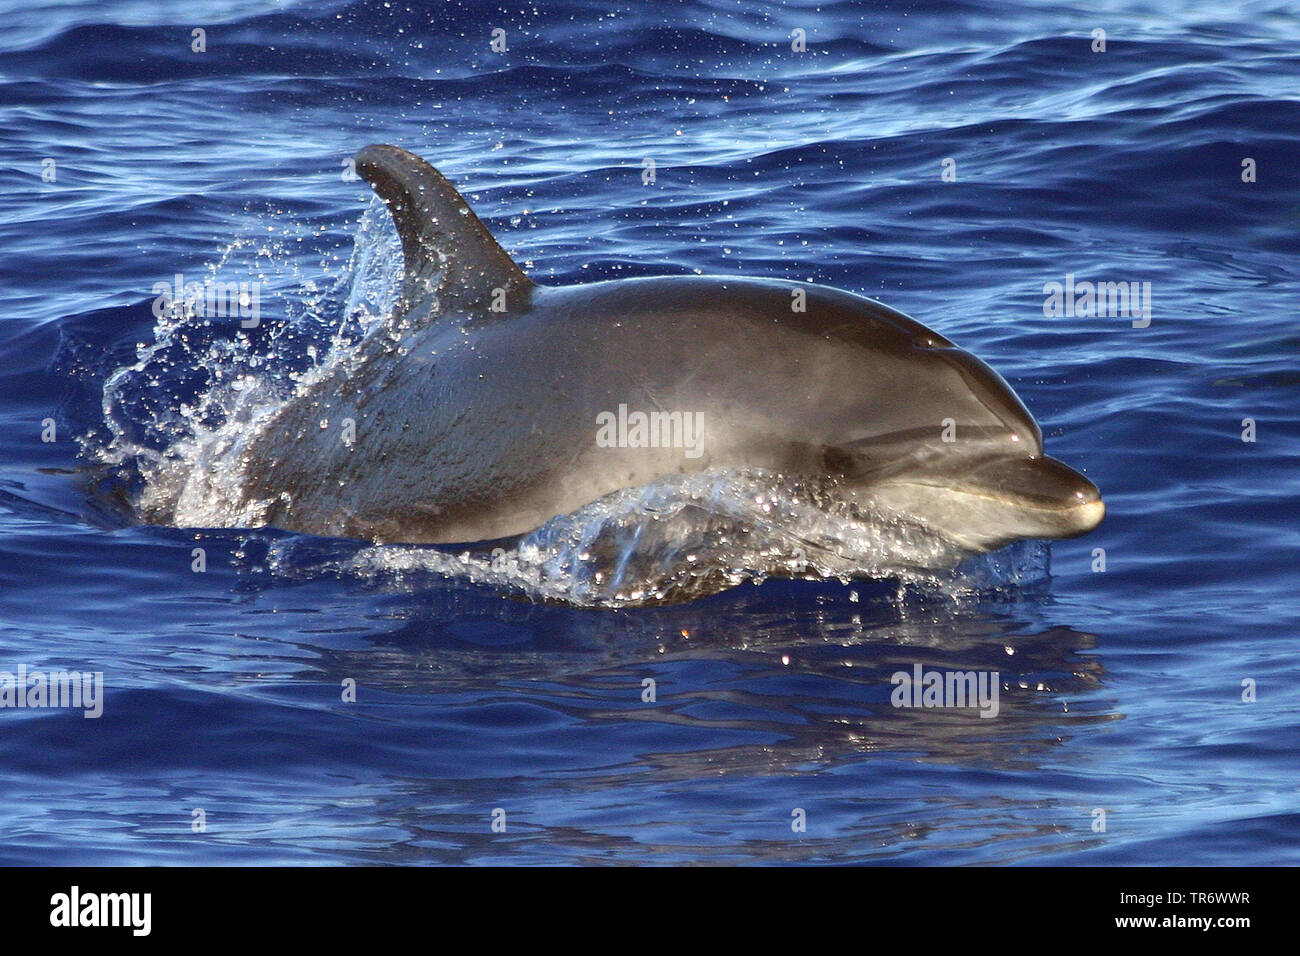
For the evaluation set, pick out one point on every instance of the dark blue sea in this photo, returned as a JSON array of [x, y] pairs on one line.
[[949, 159]]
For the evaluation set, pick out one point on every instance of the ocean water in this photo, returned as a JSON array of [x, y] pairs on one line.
[[1149, 710]]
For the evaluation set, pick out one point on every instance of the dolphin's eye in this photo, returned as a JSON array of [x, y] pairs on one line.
[[928, 339]]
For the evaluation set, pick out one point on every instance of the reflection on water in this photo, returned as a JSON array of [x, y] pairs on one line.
[[756, 691]]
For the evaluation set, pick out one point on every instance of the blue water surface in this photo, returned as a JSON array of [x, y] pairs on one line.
[[1123, 687]]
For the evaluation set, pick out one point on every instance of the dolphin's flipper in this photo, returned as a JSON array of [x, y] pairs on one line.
[[448, 250]]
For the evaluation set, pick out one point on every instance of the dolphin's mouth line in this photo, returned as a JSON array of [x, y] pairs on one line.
[[988, 494]]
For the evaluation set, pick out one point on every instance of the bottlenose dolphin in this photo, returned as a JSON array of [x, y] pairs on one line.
[[488, 403]]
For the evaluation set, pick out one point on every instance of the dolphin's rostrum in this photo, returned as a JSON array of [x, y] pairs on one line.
[[488, 404]]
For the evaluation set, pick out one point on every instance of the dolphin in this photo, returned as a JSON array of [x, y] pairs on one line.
[[488, 403]]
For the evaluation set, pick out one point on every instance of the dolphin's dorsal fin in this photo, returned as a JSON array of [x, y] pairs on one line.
[[448, 251]]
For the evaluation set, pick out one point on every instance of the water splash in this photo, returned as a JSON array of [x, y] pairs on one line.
[[684, 537], [180, 416]]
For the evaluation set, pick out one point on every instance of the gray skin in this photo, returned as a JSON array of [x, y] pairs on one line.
[[475, 424]]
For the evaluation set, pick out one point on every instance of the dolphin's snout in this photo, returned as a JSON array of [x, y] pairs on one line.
[[1086, 509], [1048, 498], [1040, 482], [1088, 515]]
